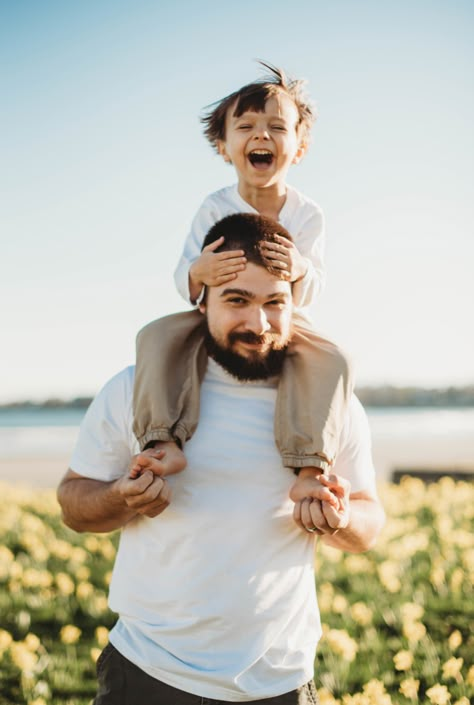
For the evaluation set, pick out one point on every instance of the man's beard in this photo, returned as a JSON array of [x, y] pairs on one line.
[[255, 367]]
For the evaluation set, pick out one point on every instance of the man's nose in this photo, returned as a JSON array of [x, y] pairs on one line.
[[257, 321]]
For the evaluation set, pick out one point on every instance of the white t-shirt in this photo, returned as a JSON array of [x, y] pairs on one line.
[[302, 217], [216, 595]]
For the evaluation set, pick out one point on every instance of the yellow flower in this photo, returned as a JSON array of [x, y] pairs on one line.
[[462, 701], [326, 697], [403, 660], [470, 676], [457, 579], [83, 573], [389, 576], [5, 640], [409, 688], [455, 640], [70, 634], [411, 611], [438, 695], [452, 668], [341, 643], [375, 690], [95, 653], [102, 636], [361, 614], [84, 590], [32, 642], [65, 584], [414, 631], [22, 657], [37, 701], [339, 605]]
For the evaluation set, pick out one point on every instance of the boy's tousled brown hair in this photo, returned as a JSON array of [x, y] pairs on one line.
[[253, 96]]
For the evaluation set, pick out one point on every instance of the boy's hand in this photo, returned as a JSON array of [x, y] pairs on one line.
[[149, 459], [214, 268], [285, 255], [322, 517]]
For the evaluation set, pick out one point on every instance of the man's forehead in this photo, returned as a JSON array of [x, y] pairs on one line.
[[257, 282]]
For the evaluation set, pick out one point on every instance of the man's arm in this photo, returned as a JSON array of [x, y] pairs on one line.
[[366, 520], [93, 505], [352, 526]]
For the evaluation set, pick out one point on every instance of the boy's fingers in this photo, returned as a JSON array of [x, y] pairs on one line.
[[214, 245]]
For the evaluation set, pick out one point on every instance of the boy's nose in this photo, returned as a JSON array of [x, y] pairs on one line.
[[262, 133]]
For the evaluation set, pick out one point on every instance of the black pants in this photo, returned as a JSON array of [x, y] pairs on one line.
[[123, 683]]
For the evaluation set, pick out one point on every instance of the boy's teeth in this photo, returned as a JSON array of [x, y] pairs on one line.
[[260, 156]]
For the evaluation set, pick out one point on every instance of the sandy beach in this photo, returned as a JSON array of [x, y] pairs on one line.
[[433, 453]]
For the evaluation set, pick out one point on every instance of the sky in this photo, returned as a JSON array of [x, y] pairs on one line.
[[103, 165]]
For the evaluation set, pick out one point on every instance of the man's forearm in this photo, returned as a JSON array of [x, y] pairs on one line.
[[91, 505], [366, 520]]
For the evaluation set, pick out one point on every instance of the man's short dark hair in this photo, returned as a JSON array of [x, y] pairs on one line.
[[254, 96], [248, 232]]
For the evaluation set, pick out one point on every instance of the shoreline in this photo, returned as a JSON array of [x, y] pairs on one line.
[[434, 454]]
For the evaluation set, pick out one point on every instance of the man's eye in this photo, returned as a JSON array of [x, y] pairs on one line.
[[276, 303], [236, 300]]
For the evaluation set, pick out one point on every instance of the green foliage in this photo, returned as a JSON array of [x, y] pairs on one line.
[[397, 621]]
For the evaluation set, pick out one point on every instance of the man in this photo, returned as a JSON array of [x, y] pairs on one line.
[[214, 578]]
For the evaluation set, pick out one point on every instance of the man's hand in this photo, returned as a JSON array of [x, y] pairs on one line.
[[284, 255], [313, 512], [147, 494], [214, 269]]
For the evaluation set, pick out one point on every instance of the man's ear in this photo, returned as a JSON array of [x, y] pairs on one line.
[[202, 308], [223, 152], [300, 152]]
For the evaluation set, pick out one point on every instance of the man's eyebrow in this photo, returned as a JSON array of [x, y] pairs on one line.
[[237, 292], [282, 295]]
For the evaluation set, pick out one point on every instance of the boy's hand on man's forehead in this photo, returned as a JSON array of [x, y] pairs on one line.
[[285, 256], [215, 268]]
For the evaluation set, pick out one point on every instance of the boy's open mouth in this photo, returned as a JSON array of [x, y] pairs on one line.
[[260, 157]]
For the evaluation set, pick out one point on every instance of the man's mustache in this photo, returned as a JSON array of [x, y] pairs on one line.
[[252, 338]]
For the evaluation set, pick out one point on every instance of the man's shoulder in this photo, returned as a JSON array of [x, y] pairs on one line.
[[119, 388]]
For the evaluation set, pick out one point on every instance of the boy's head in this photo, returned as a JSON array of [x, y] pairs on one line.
[[262, 129], [253, 97]]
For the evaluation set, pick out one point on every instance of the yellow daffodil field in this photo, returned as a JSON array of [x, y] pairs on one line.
[[397, 621]]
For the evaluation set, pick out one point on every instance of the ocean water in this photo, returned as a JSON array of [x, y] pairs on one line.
[[52, 432]]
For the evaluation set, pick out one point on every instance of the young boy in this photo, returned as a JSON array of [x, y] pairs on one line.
[[261, 129]]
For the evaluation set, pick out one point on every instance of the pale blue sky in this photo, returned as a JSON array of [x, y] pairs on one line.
[[104, 165]]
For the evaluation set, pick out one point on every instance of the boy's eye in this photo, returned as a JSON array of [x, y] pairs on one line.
[[244, 127], [279, 127]]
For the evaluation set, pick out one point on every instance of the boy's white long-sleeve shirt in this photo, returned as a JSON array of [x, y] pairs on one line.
[[301, 216]]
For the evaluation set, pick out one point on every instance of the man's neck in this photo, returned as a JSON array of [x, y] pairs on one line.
[[267, 201]]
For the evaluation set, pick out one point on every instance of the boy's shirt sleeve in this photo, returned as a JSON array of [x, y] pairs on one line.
[[204, 219], [310, 241]]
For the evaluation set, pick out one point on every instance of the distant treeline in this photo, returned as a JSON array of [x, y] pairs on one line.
[[369, 396], [416, 396]]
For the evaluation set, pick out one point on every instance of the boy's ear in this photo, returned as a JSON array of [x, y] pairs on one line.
[[223, 152], [202, 308], [300, 152]]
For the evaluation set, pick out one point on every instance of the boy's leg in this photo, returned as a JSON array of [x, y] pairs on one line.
[[171, 361], [313, 393]]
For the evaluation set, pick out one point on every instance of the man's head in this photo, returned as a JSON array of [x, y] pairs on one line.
[[262, 128], [248, 319]]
